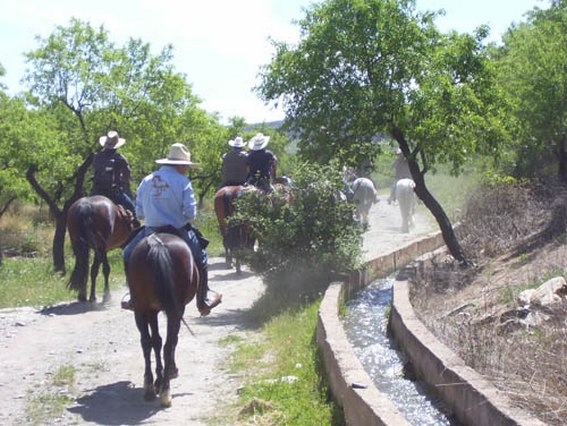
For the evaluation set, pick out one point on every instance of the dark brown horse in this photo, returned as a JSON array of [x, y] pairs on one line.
[[95, 223], [234, 237], [162, 276]]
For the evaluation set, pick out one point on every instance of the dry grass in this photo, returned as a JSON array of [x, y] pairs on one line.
[[26, 230], [515, 235]]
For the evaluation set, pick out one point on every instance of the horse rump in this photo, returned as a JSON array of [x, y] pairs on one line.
[[405, 195]]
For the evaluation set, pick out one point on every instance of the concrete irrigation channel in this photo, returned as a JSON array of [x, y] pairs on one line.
[[471, 399]]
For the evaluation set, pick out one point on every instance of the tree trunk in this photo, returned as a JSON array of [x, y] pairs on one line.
[[430, 202], [60, 215], [444, 223], [562, 162], [58, 246]]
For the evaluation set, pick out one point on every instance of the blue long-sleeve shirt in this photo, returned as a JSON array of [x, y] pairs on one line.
[[166, 197]]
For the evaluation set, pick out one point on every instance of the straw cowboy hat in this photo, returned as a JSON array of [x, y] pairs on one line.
[[111, 140], [258, 142], [237, 142], [179, 155]]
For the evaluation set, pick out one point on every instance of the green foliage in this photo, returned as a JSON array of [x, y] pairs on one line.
[[532, 72], [82, 85], [20, 132], [366, 67], [306, 237]]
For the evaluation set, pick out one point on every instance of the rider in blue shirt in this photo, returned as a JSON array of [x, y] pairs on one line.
[[165, 197]]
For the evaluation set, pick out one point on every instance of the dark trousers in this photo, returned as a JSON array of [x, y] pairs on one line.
[[117, 197]]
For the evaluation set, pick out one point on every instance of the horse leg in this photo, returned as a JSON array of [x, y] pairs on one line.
[[405, 216], [82, 294], [106, 272], [146, 343], [365, 218], [173, 325], [227, 254], [238, 265], [171, 343], [156, 344], [94, 273]]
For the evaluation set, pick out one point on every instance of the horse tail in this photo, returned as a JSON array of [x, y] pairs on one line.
[[227, 201], [160, 262], [83, 217], [221, 210]]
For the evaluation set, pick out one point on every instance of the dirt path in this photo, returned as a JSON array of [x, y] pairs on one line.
[[102, 344]]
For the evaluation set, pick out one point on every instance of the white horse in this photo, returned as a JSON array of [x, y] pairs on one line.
[[406, 197], [363, 195]]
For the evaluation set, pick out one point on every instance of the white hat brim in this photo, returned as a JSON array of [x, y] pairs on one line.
[[102, 141], [254, 147], [167, 161]]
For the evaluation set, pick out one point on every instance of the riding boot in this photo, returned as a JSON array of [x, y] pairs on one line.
[[126, 302], [204, 302]]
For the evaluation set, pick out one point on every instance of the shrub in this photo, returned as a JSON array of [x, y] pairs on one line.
[[307, 237]]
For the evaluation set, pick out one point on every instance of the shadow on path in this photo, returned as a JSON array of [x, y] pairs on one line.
[[117, 403]]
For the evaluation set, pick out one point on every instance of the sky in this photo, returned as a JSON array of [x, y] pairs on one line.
[[219, 45]]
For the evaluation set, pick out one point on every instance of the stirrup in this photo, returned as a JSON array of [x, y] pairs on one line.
[[208, 306], [127, 303]]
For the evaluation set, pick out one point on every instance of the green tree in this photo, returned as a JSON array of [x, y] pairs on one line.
[[532, 70], [365, 68], [89, 86]]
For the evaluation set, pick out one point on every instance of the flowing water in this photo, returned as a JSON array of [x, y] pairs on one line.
[[366, 323]]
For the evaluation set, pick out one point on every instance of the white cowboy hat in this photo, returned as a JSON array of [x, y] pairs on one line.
[[258, 142], [237, 142], [179, 155], [111, 140]]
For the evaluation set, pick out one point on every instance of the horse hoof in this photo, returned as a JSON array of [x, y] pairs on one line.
[[81, 298], [165, 399]]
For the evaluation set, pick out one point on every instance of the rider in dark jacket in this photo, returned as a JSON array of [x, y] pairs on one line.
[[235, 164], [262, 163], [112, 172]]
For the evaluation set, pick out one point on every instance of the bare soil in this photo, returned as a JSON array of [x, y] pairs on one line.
[[101, 343]]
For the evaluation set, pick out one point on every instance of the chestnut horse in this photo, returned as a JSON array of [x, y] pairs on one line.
[[162, 276], [234, 237], [95, 223]]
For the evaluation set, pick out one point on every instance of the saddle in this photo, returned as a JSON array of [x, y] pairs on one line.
[[262, 183], [168, 229]]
